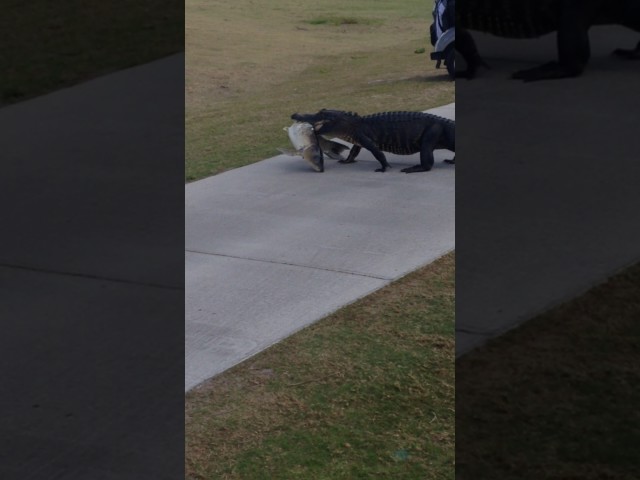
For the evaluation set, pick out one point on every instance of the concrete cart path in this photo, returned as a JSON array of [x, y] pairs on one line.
[[556, 209], [274, 246]]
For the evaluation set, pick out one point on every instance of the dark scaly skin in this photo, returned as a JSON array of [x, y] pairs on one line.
[[571, 19], [402, 133]]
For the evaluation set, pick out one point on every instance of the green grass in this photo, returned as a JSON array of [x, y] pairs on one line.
[[556, 398], [367, 392], [50, 45]]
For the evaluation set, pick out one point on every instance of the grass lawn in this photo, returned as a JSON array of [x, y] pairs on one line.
[[50, 45], [367, 392], [558, 397], [249, 69]]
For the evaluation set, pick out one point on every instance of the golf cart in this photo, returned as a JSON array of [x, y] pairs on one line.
[[443, 35]]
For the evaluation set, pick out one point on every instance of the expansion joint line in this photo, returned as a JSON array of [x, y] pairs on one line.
[[291, 264]]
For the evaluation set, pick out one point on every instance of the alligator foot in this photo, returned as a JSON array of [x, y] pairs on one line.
[[415, 168], [383, 169], [346, 161], [548, 71], [628, 54], [450, 162]]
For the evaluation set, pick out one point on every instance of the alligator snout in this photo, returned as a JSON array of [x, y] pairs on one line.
[[302, 117]]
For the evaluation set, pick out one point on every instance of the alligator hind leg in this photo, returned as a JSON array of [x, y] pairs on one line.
[[430, 139]]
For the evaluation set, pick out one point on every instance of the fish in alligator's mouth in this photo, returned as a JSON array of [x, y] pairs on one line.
[[312, 147]]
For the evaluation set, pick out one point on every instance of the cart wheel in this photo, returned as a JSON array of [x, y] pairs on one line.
[[450, 59]]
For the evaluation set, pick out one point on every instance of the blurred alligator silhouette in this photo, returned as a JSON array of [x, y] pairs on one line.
[[571, 19]]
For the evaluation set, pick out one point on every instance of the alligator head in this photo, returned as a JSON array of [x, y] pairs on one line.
[[330, 122]]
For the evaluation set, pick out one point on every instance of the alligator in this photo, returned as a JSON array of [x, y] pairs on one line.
[[402, 133], [571, 19]]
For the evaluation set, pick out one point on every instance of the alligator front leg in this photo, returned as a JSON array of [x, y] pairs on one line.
[[466, 46], [573, 52], [355, 150], [369, 145], [430, 139], [572, 42]]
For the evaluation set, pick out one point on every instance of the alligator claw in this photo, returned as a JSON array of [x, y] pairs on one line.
[[628, 54]]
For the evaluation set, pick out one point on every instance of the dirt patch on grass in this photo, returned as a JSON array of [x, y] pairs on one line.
[[556, 398]]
